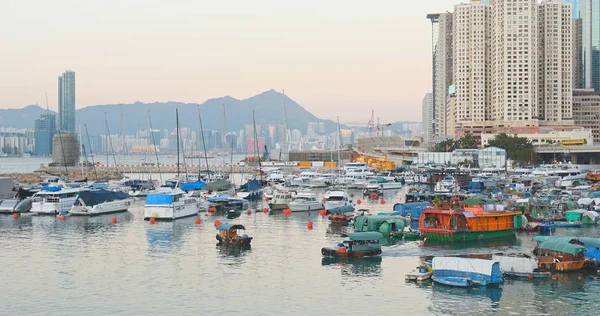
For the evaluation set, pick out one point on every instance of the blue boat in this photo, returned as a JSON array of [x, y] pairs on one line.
[[546, 228], [479, 271], [453, 281], [251, 190]]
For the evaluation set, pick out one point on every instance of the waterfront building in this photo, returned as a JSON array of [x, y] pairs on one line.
[[586, 111], [66, 102], [550, 137], [45, 127]]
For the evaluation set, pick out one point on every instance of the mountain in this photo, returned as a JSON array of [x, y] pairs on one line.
[[268, 107], [21, 118]]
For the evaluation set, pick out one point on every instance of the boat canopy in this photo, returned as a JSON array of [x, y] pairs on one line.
[[159, 199], [477, 270], [50, 188], [252, 185], [574, 216], [229, 227], [405, 208], [516, 264], [365, 236], [342, 209], [586, 241], [220, 185], [191, 186], [375, 223], [218, 199], [97, 186], [559, 246], [91, 198]]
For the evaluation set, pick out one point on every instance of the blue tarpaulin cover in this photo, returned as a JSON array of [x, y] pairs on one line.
[[158, 199], [91, 198], [190, 186], [218, 199], [51, 188], [251, 186]]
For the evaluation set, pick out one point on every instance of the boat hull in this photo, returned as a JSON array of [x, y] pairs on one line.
[[170, 212], [329, 252], [52, 208], [458, 236], [305, 207], [418, 276], [278, 206], [103, 208], [453, 281]]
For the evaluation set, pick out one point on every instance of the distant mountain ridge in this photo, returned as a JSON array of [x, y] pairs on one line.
[[268, 107]]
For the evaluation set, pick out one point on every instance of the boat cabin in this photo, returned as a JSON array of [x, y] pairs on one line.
[[232, 234]]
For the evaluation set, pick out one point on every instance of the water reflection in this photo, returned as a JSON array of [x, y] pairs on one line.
[[162, 236], [363, 267], [95, 224]]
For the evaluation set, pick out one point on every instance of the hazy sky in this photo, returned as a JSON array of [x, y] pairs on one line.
[[333, 57]]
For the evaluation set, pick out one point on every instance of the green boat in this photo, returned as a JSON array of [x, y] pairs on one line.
[[413, 235]]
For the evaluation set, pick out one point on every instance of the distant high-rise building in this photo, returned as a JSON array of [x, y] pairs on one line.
[[428, 119], [442, 56], [66, 102], [45, 127], [589, 12], [575, 6], [586, 110], [577, 54]]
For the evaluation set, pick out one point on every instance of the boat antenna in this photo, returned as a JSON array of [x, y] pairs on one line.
[[154, 144], [91, 151], [203, 143], [111, 145]]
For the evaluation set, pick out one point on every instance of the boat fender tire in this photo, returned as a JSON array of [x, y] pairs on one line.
[[378, 252], [323, 251]]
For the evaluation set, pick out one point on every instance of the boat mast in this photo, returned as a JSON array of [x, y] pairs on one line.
[[91, 151], [203, 144], [177, 124], [154, 144], [111, 145], [339, 141]]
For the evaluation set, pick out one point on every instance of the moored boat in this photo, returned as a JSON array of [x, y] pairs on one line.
[[54, 200], [520, 266], [447, 270], [280, 201], [231, 234], [358, 245], [560, 256], [421, 273], [170, 206], [101, 202], [335, 199], [305, 201], [341, 215]]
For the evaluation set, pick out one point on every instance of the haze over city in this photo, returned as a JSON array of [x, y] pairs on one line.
[[335, 58]]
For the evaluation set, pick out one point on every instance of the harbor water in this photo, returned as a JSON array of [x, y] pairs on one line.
[[91, 266]]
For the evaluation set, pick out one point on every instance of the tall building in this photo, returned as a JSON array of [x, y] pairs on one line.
[[574, 6], [441, 47], [586, 110], [555, 65], [427, 118], [589, 12], [471, 61], [66, 102], [577, 54], [45, 127]]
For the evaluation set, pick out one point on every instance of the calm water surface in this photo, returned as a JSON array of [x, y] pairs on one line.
[[90, 266]]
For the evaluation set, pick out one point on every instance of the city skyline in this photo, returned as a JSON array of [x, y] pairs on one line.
[[331, 61]]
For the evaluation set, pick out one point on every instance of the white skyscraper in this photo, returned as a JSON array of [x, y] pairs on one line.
[[442, 68], [428, 119]]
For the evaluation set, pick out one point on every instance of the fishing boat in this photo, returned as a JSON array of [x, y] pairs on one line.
[[421, 273], [520, 266], [170, 205], [474, 221], [341, 215], [232, 235], [54, 200], [358, 245], [305, 201], [464, 272], [280, 201], [559, 256], [101, 202], [335, 199]]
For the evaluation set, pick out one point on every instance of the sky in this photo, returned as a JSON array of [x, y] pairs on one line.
[[333, 57]]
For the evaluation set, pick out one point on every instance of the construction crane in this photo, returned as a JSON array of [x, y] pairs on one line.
[[372, 125]]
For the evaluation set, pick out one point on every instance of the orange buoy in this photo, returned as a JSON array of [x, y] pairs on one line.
[[265, 210], [113, 220], [212, 209], [217, 223], [62, 217], [554, 277], [382, 201], [197, 220], [358, 201], [266, 199], [249, 212], [323, 212], [205, 198], [310, 225], [287, 211], [152, 220], [15, 215], [323, 199], [595, 278], [530, 277], [351, 194]]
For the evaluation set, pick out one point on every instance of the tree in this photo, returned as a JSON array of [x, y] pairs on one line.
[[448, 145], [519, 149], [467, 142]]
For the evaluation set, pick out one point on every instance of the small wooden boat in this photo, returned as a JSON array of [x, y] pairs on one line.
[[559, 256], [358, 245], [341, 215], [229, 234], [453, 281], [421, 273], [412, 235], [520, 266]]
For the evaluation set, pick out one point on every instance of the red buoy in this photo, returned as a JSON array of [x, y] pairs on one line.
[[15, 215], [217, 223], [351, 194], [266, 199], [212, 209], [249, 212], [310, 225], [287, 211], [113, 220], [382, 201], [323, 199], [323, 212], [265, 210], [62, 217], [358, 201], [152, 220], [205, 198], [197, 220]]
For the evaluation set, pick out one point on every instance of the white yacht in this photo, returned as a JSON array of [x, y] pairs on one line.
[[446, 185], [353, 180], [303, 179], [322, 181], [355, 166], [170, 205], [276, 176], [101, 202], [305, 201], [280, 200], [54, 200], [334, 199]]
